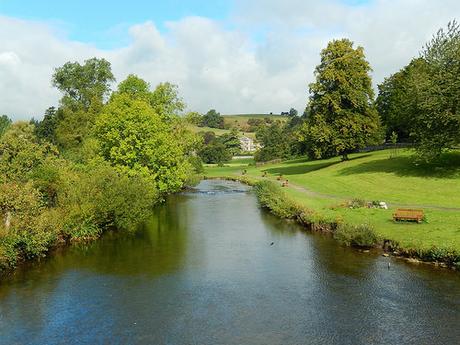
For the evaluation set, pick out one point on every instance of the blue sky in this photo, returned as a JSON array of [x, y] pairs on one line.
[[104, 22]]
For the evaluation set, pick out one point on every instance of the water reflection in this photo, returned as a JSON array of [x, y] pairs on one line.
[[203, 270]]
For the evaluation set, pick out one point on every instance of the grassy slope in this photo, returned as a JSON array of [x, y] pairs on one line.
[[321, 185], [242, 119]]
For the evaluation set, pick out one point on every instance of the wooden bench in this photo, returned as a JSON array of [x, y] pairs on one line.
[[408, 214]]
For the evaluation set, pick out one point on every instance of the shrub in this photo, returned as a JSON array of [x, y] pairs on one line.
[[356, 235], [356, 203], [271, 196]]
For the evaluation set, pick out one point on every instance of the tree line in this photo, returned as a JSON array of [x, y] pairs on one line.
[[417, 105], [99, 160]]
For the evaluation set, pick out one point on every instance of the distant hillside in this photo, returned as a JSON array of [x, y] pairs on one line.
[[217, 131], [241, 120]]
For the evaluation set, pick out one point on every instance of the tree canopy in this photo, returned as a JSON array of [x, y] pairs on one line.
[[342, 117]]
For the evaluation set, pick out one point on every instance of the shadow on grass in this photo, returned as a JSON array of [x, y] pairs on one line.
[[306, 168], [448, 166]]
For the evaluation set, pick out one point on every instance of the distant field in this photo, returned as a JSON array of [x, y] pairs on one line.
[[242, 119], [218, 131]]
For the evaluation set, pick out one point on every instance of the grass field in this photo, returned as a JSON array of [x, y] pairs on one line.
[[241, 120], [324, 185]]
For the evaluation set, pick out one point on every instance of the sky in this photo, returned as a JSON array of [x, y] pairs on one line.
[[237, 56]]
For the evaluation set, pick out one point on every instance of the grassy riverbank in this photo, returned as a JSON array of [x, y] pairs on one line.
[[325, 187]]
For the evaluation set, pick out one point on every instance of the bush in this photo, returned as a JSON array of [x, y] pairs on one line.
[[271, 196], [356, 203], [356, 235]]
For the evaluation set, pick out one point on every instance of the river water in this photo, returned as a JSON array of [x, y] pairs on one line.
[[210, 267]]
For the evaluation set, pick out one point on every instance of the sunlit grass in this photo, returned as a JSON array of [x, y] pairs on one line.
[[323, 185]]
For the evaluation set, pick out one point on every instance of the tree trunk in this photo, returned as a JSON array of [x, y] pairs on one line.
[[7, 219], [344, 156]]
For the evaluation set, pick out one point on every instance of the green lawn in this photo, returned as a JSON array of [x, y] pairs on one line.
[[323, 185]]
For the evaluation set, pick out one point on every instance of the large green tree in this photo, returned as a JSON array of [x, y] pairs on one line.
[[84, 87], [212, 119], [398, 100], [436, 125], [342, 117], [136, 140]]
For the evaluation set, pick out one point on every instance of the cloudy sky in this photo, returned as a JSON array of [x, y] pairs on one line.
[[236, 56]]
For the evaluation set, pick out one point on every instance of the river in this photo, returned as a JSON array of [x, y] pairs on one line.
[[211, 267]]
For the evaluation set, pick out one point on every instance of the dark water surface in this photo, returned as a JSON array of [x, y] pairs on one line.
[[203, 272]]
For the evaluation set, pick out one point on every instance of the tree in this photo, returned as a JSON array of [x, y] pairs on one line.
[[215, 152], [84, 89], [136, 140], [166, 102], [46, 128], [436, 126], [84, 84], [275, 140], [397, 102], [21, 153], [193, 118], [5, 122], [231, 141], [134, 87], [212, 119], [292, 112], [342, 117]]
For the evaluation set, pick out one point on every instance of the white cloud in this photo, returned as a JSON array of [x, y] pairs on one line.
[[222, 68]]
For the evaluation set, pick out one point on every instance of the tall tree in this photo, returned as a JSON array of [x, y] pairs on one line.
[[341, 113], [84, 84], [136, 140], [84, 89], [436, 126], [46, 128], [166, 102], [212, 119], [397, 102]]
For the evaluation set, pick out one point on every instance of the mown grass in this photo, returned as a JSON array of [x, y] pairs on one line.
[[325, 185]]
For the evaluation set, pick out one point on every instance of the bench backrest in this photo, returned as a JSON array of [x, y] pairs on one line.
[[407, 212]]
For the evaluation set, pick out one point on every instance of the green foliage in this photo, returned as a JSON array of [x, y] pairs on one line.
[[276, 140], [84, 89], [193, 118], [231, 141], [166, 102], [436, 125], [356, 235], [20, 152], [5, 122], [271, 196], [46, 128], [215, 152], [341, 116], [212, 119], [100, 197], [84, 84], [135, 139], [397, 100], [292, 112], [135, 87]]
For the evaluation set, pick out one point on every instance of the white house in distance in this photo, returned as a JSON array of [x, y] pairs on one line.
[[248, 144]]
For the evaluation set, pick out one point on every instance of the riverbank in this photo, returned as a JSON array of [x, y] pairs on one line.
[[436, 240]]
